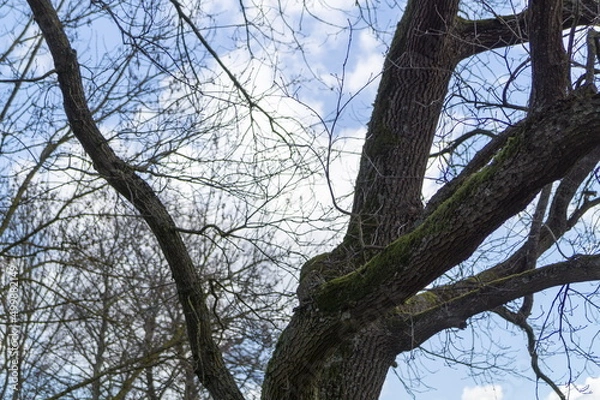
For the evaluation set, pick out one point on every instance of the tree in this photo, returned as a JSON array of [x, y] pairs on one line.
[[66, 232], [401, 272]]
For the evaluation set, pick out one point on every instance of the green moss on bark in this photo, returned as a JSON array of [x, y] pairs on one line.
[[345, 292]]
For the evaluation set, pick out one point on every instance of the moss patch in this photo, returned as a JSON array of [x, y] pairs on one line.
[[346, 291]]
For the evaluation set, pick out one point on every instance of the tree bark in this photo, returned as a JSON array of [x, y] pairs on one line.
[[359, 367], [549, 63], [417, 69], [559, 137], [387, 199]]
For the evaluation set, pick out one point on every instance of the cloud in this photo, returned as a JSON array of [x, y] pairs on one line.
[[370, 63], [486, 392], [590, 390]]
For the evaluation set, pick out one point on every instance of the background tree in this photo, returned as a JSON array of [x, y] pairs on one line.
[[518, 185], [84, 257]]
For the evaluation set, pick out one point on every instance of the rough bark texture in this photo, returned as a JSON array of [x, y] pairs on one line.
[[359, 305], [359, 367], [387, 201], [416, 73], [549, 63]]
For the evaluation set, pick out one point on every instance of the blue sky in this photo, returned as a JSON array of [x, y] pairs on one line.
[[343, 44]]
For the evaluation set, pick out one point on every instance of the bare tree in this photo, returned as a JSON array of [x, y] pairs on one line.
[[406, 268], [67, 235]]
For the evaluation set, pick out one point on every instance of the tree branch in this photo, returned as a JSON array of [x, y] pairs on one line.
[[558, 138], [210, 367], [28, 80], [434, 311], [518, 320], [556, 225], [474, 37]]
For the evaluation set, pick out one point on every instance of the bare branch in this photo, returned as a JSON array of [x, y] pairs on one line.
[[432, 312], [474, 37], [210, 367], [28, 80], [518, 320]]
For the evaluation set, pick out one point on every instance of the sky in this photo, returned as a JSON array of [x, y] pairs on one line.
[[462, 389], [345, 64], [589, 389], [441, 382]]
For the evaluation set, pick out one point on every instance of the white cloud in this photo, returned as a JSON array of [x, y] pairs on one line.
[[370, 64], [590, 390], [486, 392]]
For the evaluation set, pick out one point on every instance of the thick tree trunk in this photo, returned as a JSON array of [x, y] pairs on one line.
[[549, 63], [359, 367], [387, 204], [387, 200]]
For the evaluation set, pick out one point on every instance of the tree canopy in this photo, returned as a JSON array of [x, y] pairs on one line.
[[176, 219]]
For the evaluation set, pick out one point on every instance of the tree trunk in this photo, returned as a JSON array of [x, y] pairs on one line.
[[387, 200], [549, 63], [337, 345], [359, 367]]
